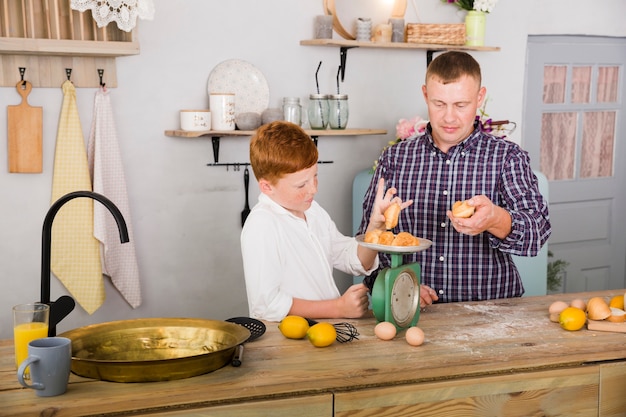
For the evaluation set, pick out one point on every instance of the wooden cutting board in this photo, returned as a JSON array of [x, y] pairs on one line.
[[606, 326], [25, 131]]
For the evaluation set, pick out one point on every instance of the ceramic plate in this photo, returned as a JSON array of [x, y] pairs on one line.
[[252, 94], [424, 244]]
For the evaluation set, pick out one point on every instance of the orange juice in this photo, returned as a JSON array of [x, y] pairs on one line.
[[25, 332]]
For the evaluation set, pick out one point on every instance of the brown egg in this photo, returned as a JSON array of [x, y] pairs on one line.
[[385, 330], [579, 303], [414, 336], [555, 309]]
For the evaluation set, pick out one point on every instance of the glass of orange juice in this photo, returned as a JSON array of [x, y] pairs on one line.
[[30, 322]]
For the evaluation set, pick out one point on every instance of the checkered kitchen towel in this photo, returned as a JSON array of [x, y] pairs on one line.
[[75, 252], [119, 261]]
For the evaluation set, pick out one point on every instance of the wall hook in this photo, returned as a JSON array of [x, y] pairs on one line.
[[101, 75], [68, 72], [22, 72]]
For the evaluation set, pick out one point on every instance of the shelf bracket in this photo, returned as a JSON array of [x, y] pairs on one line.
[[429, 57], [216, 148], [343, 57]]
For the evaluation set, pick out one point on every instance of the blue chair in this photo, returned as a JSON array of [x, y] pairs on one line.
[[533, 270]]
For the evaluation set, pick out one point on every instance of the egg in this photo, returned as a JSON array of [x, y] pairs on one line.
[[578, 303], [414, 336], [385, 330], [555, 309]]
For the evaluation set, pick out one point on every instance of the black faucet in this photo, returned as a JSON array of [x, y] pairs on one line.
[[63, 306]]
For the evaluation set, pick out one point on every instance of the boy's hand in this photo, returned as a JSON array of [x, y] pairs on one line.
[[382, 202], [354, 302]]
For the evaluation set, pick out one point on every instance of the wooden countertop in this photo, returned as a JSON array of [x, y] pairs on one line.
[[462, 340]]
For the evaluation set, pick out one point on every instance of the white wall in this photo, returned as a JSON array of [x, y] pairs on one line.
[[186, 215]]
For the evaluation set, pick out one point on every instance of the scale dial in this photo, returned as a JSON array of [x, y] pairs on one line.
[[405, 298]]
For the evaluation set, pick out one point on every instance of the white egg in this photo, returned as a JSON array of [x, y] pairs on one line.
[[385, 330], [414, 336]]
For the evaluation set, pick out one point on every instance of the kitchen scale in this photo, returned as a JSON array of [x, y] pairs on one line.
[[396, 291]]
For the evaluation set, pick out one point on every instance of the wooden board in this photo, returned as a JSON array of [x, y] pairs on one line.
[[606, 326], [25, 131]]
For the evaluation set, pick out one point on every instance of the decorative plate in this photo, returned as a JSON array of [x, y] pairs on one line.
[[424, 244], [252, 93]]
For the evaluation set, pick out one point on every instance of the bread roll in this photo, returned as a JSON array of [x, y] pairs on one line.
[[462, 209], [372, 236], [386, 238], [391, 216], [405, 239]]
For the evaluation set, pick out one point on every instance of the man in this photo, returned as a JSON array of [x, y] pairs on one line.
[[455, 161]]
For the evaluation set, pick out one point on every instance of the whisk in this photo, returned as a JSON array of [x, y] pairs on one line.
[[346, 332]]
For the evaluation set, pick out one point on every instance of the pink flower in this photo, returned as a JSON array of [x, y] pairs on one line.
[[409, 128]]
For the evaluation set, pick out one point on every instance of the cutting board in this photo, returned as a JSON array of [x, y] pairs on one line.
[[606, 326], [25, 131]]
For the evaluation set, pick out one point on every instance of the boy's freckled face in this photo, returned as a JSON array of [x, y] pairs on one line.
[[295, 192]]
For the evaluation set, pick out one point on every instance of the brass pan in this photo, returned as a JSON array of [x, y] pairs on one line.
[[155, 349]]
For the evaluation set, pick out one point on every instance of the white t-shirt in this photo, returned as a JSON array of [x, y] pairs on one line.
[[285, 257]]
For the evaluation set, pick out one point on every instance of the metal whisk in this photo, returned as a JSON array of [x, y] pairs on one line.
[[346, 332]]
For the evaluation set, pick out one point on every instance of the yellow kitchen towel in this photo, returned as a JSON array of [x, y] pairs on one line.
[[75, 252], [119, 260]]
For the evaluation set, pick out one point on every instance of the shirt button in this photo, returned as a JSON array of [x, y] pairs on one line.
[[448, 161], [462, 153], [441, 258], [445, 192], [440, 292], [443, 224]]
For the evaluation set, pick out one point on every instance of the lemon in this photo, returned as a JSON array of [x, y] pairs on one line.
[[293, 327], [572, 318], [322, 334], [617, 302]]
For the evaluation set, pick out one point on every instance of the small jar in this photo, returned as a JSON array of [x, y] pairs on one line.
[[292, 111], [338, 113], [318, 111]]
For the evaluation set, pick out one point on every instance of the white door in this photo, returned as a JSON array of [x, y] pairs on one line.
[[575, 132]]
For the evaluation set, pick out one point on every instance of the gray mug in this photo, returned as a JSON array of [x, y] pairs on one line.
[[49, 360]]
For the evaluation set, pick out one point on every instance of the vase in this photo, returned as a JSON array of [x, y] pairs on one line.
[[475, 23]]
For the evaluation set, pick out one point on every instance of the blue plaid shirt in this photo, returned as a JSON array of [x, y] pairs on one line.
[[457, 266]]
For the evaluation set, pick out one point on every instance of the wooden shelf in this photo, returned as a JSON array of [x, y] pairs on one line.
[[395, 45], [430, 48], [312, 133], [65, 47], [215, 136]]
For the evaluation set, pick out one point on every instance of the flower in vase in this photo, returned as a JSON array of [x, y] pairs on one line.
[[478, 5]]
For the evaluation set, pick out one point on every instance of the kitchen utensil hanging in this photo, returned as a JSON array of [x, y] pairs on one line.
[[25, 132], [246, 184]]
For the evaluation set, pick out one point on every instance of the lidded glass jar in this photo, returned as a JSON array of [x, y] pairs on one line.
[[292, 111], [318, 111], [338, 113]]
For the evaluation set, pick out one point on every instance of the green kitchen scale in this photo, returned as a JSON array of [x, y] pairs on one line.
[[396, 291]]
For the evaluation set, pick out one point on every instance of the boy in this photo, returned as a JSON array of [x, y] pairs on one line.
[[289, 243]]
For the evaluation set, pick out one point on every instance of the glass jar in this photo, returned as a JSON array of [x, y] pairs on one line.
[[292, 111], [338, 113], [318, 111]]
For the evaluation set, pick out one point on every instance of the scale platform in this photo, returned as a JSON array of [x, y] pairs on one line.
[[396, 291]]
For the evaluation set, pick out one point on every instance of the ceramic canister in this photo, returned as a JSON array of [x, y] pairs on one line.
[[222, 106]]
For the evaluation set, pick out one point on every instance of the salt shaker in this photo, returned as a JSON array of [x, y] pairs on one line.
[[338, 113], [292, 111], [318, 111]]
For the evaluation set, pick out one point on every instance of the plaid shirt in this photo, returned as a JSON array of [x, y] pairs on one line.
[[461, 267]]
